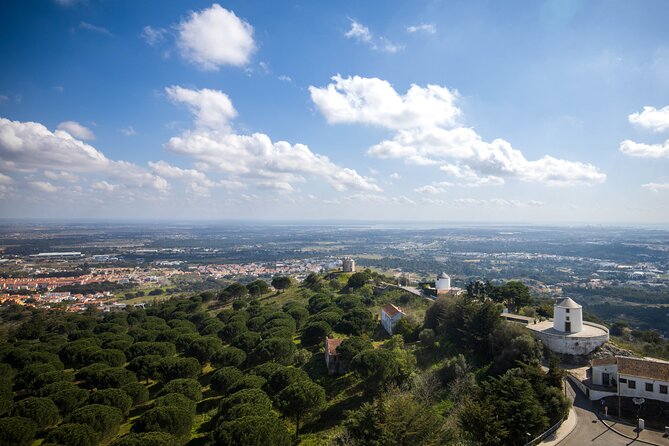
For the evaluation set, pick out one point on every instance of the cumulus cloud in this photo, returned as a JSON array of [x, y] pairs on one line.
[[105, 186], [651, 118], [77, 130], [214, 37], [429, 189], [478, 162], [28, 146], [212, 108], [427, 28], [374, 101], [43, 186], [270, 164], [164, 169], [656, 187], [632, 148], [496, 202], [128, 131], [153, 36]]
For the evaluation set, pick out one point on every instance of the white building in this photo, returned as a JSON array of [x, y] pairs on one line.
[[348, 265], [629, 377], [443, 284], [390, 315], [567, 333]]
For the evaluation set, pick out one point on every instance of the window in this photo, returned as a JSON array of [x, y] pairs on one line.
[[623, 380], [649, 387], [567, 317], [663, 388], [631, 384], [567, 310]]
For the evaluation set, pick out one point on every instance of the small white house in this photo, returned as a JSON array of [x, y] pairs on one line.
[[568, 316], [632, 377], [443, 284], [390, 314]]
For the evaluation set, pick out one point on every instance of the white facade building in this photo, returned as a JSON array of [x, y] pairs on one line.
[[390, 315], [632, 377], [568, 316], [443, 283], [567, 333]]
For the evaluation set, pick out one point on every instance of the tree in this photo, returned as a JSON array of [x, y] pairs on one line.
[[146, 439], [176, 400], [42, 411], [105, 420], [300, 399], [476, 290], [280, 350], [114, 398], [281, 282], [257, 288], [283, 377], [69, 399], [254, 396], [173, 368], [233, 291], [73, 434], [204, 348], [229, 356], [172, 420], [357, 321], [247, 382], [377, 367], [351, 346], [223, 378], [359, 279], [17, 431], [113, 377], [151, 348], [112, 357], [137, 392], [299, 314], [146, 366], [252, 431], [315, 333], [187, 387]]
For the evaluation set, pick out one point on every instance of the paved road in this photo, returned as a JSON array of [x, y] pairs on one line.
[[589, 430]]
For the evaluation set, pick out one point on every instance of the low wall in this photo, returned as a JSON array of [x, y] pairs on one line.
[[570, 345]]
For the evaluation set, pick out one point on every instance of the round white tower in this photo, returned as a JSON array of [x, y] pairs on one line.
[[568, 316], [443, 283]]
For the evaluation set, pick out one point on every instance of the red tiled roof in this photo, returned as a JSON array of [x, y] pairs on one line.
[[391, 310], [331, 346], [610, 360], [642, 368]]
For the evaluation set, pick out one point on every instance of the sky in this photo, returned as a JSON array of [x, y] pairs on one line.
[[452, 111]]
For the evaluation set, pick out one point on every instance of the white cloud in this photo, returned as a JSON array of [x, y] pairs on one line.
[[395, 176], [30, 145], [77, 130], [164, 169], [212, 108], [43, 186], [428, 28], [105, 186], [93, 28], [361, 33], [358, 32], [5, 179], [429, 189], [128, 131], [61, 176], [374, 101], [479, 162], [27, 146], [256, 156], [496, 202], [284, 78], [650, 118], [214, 37], [632, 148], [656, 187], [153, 36]]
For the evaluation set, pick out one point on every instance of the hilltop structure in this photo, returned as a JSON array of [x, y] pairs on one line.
[[567, 333], [348, 265]]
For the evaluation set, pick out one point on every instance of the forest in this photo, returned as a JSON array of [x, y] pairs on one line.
[[245, 366]]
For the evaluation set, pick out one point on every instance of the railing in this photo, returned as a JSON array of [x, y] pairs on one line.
[[550, 430]]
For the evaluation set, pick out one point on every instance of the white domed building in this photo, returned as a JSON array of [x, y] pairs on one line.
[[443, 284], [567, 333]]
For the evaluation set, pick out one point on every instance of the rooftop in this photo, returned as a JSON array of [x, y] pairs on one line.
[[568, 303], [331, 345], [547, 328], [643, 368], [391, 310]]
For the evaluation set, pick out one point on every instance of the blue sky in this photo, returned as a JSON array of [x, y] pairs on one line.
[[553, 111]]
